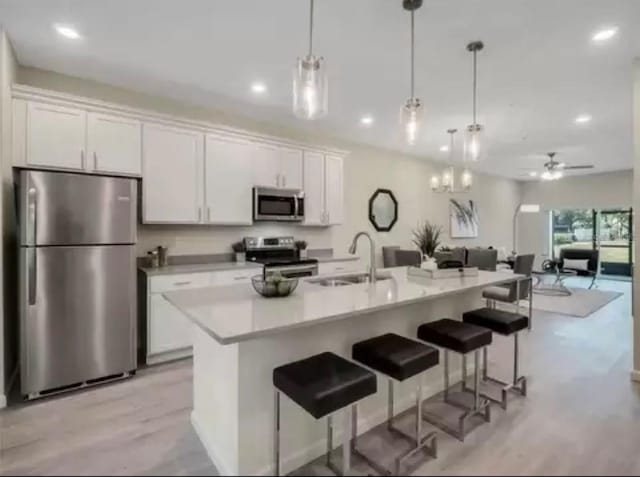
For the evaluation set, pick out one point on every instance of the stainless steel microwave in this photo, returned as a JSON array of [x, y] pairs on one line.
[[286, 205]]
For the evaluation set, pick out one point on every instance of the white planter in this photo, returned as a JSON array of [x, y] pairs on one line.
[[241, 257], [304, 253]]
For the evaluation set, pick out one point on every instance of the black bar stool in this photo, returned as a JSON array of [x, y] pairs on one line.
[[461, 338], [322, 384], [504, 323], [398, 358]]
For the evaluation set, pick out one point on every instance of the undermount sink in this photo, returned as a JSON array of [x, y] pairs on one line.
[[344, 280]]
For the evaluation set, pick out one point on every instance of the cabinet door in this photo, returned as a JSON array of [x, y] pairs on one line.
[[56, 136], [168, 328], [172, 163], [114, 144], [290, 168], [228, 181], [314, 201], [334, 189], [266, 165]]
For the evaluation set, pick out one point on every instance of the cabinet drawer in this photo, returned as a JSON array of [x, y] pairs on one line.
[[165, 283], [230, 277]]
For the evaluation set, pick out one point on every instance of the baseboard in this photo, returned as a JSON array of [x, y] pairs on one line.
[[3, 401], [221, 467], [635, 375]]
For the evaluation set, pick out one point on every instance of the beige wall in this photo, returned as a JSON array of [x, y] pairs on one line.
[[7, 319], [365, 170], [599, 191], [636, 206]]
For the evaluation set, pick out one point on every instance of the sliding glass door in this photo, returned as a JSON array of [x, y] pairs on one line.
[[615, 242], [609, 231]]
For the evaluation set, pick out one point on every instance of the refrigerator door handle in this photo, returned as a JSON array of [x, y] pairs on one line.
[[32, 267], [32, 207]]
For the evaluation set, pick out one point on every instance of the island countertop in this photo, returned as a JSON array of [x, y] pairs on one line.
[[236, 313]]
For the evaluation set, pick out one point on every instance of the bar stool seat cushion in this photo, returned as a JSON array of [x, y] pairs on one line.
[[455, 335], [500, 321], [324, 383], [395, 356]]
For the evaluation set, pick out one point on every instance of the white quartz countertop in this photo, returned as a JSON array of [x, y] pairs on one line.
[[235, 313]]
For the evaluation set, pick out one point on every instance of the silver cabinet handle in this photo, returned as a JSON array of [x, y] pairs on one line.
[[208, 214], [199, 214], [284, 180], [180, 284], [32, 268], [277, 180], [95, 160], [82, 161]]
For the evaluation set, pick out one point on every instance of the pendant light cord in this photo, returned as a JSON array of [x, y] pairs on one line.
[[412, 53], [475, 80], [311, 29]]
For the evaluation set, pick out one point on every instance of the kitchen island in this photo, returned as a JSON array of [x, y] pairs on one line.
[[240, 337]]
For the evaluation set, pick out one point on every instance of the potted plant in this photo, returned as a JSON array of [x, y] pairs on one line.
[[427, 238], [240, 251], [301, 245]]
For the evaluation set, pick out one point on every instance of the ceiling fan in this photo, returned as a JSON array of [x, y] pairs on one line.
[[554, 170]]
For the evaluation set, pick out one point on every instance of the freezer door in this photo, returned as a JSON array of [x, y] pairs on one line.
[[59, 208], [77, 314]]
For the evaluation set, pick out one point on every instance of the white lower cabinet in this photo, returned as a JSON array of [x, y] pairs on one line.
[[168, 330], [343, 266]]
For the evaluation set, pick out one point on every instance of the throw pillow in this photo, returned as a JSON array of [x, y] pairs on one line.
[[576, 264]]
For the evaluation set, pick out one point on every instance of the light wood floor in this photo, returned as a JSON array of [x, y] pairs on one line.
[[582, 415]]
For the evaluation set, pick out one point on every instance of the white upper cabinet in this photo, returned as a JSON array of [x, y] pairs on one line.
[[172, 161], [55, 136], [290, 168], [314, 200], [277, 166], [266, 165], [228, 181], [334, 189], [114, 144], [323, 189]]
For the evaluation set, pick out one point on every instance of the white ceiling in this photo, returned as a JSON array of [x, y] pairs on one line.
[[539, 69]]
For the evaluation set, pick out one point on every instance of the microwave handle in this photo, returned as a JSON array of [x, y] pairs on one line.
[[296, 209]]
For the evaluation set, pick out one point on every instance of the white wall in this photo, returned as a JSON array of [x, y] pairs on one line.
[[366, 169], [595, 191], [636, 206], [7, 321]]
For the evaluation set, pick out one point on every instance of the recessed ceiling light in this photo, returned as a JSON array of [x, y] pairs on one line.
[[444, 148], [67, 31], [605, 34], [533, 174], [259, 88], [366, 120], [583, 118]]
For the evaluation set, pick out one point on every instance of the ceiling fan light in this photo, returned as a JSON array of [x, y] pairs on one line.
[[310, 88], [546, 176]]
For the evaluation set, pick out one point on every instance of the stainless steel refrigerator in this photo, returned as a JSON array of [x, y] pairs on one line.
[[77, 288]]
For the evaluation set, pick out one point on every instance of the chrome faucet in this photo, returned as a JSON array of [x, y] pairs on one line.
[[372, 248]]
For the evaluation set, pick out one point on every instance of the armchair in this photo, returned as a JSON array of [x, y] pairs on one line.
[[592, 258]]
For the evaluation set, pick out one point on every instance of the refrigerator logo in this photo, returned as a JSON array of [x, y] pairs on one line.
[[123, 198]]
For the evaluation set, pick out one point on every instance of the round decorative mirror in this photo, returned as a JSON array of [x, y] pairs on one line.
[[383, 210]]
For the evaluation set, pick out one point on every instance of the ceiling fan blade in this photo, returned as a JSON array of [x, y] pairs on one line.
[[578, 167]]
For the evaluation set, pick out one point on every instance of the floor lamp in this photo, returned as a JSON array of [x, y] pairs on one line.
[[524, 209]]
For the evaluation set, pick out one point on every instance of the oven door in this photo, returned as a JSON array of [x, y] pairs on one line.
[[277, 204]]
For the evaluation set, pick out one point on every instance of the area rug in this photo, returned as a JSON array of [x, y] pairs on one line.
[[581, 303]]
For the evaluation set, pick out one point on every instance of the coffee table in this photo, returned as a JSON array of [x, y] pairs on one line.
[[551, 282]]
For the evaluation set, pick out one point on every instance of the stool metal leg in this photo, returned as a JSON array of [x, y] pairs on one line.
[[346, 440], [464, 372], [530, 302], [390, 405], [276, 434], [481, 405], [485, 359], [329, 440]]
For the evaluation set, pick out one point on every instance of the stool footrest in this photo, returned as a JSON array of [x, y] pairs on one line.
[[519, 387]]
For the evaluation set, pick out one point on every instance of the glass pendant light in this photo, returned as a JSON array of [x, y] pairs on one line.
[[411, 113], [473, 144], [449, 175], [466, 179], [435, 182], [446, 182], [310, 83]]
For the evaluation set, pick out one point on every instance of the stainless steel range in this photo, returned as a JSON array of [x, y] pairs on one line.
[[279, 255]]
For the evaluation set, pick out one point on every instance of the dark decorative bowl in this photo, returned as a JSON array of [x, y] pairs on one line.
[[274, 286]]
